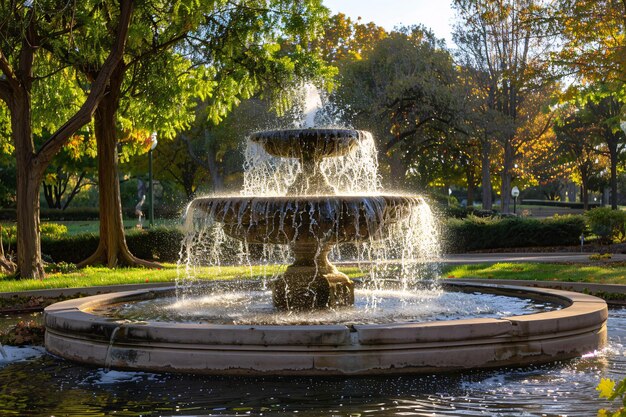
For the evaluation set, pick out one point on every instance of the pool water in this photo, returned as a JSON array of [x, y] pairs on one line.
[[245, 307], [41, 385]]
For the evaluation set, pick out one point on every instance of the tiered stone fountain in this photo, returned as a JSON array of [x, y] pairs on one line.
[[309, 219]]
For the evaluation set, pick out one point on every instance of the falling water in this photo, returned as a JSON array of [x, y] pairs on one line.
[[354, 173], [312, 104]]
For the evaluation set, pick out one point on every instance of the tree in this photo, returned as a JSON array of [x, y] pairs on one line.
[[578, 137], [344, 40], [402, 90], [502, 41], [593, 51], [179, 53], [606, 113], [28, 27]]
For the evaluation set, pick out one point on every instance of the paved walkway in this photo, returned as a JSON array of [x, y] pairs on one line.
[[474, 258]]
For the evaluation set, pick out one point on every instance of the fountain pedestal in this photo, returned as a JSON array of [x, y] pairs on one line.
[[312, 282]]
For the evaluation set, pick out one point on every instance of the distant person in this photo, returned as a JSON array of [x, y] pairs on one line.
[[139, 213]]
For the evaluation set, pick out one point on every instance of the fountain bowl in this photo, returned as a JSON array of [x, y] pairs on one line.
[[74, 332], [312, 143], [293, 219]]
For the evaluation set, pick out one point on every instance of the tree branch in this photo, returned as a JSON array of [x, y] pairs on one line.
[[98, 89]]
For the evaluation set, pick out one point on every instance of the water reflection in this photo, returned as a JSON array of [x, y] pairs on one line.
[[49, 386]]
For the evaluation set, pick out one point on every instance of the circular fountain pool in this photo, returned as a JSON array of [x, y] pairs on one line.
[[75, 332]]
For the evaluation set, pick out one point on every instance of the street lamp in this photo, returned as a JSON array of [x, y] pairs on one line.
[[153, 144], [515, 194]]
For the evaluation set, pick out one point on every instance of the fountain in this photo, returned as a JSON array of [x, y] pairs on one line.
[[311, 218], [309, 214]]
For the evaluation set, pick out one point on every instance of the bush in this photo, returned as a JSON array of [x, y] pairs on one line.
[[476, 233], [159, 243], [552, 203], [53, 230], [70, 249], [464, 212], [607, 224]]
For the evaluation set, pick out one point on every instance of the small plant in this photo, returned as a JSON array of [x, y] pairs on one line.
[[60, 268], [53, 230], [600, 256], [611, 391], [24, 333]]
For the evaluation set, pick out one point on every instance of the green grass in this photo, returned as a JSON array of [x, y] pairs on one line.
[[95, 276], [612, 273]]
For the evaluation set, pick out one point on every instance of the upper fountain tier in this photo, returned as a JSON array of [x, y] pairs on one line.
[[309, 146]]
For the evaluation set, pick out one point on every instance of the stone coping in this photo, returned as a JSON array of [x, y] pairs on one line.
[[578, 328]]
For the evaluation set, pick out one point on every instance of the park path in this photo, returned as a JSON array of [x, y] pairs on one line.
[[546, 257]]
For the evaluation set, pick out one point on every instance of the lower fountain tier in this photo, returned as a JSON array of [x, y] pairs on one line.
[[74, 332], [310, 225], [295, 219]]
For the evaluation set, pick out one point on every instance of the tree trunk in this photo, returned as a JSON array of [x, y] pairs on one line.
[[29, 175], [6, 265], [486, 175], [471, 184], [112, 248], [584, 188], [612, 145], [505, 189]]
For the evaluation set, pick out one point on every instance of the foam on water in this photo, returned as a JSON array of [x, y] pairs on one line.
[[110, 377], [20, 353]]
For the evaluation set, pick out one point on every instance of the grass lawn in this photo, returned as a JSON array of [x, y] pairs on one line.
[[609, 273], [94, 276]]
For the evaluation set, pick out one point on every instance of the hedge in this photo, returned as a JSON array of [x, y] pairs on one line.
[[551, 203], [159, 243], [474, 233], [87, 213]]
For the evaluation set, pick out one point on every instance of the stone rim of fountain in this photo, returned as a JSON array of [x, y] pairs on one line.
[[74, 333]]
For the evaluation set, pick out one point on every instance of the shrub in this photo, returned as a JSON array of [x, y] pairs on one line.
[[607, 224], [53, 230], [463, 212], [159, 243], [476, 233], [69, 248]]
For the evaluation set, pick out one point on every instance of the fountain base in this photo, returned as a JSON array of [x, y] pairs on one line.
[[309, 288], [312, 282]]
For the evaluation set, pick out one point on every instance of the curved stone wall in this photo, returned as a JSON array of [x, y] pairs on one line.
[[74, 333]]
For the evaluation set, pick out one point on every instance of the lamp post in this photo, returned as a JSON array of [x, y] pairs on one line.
[[515, 194], [153, 144]]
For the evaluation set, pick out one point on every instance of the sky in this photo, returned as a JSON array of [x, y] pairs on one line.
[[434, 14]]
